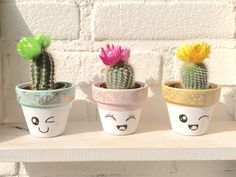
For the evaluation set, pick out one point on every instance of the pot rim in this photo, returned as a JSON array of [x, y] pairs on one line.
[[97, 84], [168, 83], [120, 97], [191, 97], [21, 86], [45, 98]]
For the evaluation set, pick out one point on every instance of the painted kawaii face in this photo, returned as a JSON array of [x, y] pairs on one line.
[[42, 129], [124, 125], [184, 119], [118, 122], [189, 120]]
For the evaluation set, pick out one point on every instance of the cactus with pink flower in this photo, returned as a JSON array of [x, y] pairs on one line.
[[119, 74]]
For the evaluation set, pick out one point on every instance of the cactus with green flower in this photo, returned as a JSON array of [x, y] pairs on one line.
[[119, 74], [194, 73], [34, 49]]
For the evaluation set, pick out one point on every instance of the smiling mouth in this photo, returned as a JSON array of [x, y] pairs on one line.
[[193, 127], [122, 127], [43, 131]]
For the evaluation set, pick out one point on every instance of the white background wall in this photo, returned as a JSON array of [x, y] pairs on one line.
[[153, 30]]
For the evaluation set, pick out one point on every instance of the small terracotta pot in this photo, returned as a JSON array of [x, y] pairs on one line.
[[46, 111], [190, 110], [119, 109]]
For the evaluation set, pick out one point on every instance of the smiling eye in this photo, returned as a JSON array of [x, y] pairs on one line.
[[49, 121], [132, 116], [110, 116], [35, 120], [204, 116], [183, 118]]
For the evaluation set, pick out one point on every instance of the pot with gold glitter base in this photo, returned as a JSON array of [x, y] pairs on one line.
[[191, 101]]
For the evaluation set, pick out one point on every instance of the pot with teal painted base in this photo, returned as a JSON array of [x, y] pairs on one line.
[[45, 103], [46, 111]]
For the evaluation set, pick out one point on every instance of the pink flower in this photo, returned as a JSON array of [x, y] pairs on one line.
[[113, 54]]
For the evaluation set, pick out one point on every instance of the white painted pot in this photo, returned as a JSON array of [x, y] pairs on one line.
[[119, 122], [190, 110], [48, 122], [189, 120], [46, 111], [119, 109]]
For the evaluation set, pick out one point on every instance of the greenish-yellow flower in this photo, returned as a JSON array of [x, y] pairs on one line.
[[28, 48]]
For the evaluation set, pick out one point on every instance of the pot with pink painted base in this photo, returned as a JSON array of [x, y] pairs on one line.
[[119, 98], [119, 109]]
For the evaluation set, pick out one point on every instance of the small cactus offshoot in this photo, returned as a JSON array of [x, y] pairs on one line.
[[119, 74], [42, 64], [194, 73]]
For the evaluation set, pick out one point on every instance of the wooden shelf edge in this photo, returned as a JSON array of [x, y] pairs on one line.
[[85, 141]]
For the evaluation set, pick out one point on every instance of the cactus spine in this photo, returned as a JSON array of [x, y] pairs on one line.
[[120, 76], [42, 65], [42, 71], [194, 73]]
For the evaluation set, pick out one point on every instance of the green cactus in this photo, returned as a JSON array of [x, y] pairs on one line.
[[42, 72], [42, 64], [120, 76], [194, 75]]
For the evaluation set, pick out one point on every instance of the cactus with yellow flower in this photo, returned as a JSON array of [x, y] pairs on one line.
[[190, 102], [194, 73]]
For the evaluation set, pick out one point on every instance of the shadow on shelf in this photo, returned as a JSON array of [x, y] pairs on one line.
[[221, 127], [73, 128], [13, 131]]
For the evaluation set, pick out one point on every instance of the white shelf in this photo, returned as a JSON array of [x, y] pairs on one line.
[[85, 141]]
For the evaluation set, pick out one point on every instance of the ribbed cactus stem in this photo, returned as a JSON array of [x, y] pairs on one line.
[[194, 75], [42, 70], [120, 76]]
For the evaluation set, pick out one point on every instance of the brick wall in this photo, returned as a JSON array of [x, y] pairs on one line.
[[152, 29]]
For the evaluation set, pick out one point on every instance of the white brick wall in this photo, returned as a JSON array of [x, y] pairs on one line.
[[153, 29], [9, 169], [163, 21], [59, 20]]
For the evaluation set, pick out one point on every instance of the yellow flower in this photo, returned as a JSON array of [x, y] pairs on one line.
[[195, 52]]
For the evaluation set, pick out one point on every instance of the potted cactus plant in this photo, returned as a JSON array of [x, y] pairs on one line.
[[120, 98], [45, 103], [190, 102]]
